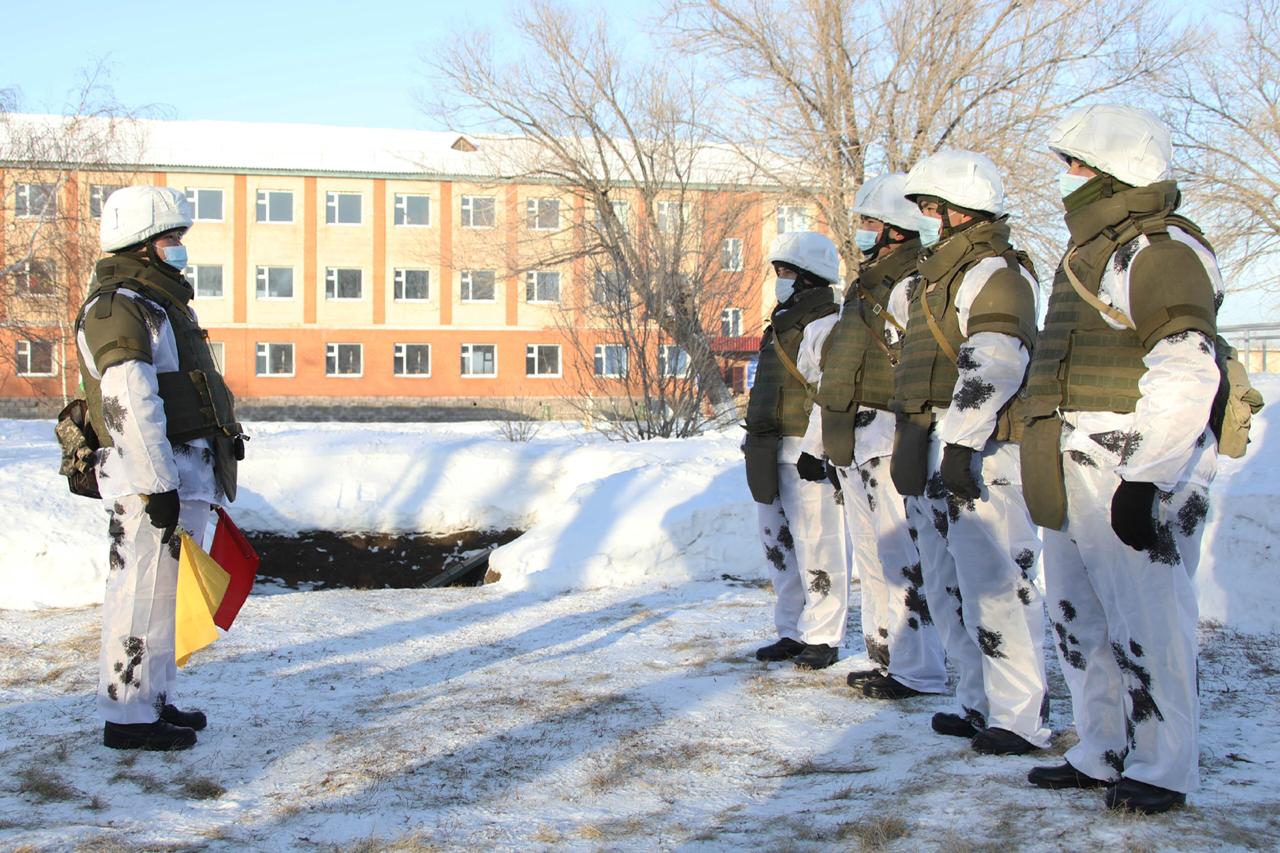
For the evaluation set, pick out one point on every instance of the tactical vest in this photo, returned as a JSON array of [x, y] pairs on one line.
[[780, 403], [1083, 364], [197, 402], [926, 375], [857, 370]]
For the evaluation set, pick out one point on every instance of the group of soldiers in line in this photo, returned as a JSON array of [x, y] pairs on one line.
[[962, 443]]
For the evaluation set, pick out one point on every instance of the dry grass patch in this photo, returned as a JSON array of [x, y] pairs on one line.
[[874, 833], [415, 843], [202, 788], [44, 785], [148, 783], [634, 757]]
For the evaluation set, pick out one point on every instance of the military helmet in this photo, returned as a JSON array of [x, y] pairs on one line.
[[808, 251], [963, 178], [883, 198], [1129, 143], [131, 215]]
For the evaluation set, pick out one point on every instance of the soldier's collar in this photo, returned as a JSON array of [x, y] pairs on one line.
[[1107, 204], [992, 235]]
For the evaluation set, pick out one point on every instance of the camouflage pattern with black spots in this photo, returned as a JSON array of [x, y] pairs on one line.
[[819, 582], [1193, 511], [990, 641]]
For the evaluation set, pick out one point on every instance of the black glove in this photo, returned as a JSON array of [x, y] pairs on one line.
[[1132, 515], [832, 475], [957, 472], [163, 512], [811, 468]]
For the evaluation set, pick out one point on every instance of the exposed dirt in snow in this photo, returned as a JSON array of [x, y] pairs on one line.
[[470, 718]]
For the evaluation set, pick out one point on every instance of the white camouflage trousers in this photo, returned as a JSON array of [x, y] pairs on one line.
[[896, 624], [136, 668], [979, 562], [803, 536], [1125, 623]]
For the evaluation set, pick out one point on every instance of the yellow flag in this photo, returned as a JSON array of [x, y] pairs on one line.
[[201, 585]]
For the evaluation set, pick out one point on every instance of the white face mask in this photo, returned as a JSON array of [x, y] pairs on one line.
[[784, 289], [1069, 183], [930, 230]]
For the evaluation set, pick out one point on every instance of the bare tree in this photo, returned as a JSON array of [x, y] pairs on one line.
[[1226, 112], [849, 89], [57, 170], [653, 201]]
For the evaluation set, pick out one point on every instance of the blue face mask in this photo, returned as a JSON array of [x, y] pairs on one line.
[[175, 256], [1069, 183], [930, 230], [866, 240]]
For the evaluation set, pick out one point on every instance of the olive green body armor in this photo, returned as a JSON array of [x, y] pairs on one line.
[[197, 401], [857, 360], [1083, 364]]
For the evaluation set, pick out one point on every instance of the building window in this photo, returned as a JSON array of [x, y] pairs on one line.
[[478, 211], [36, 277], [219, 352], [792, 218], [275, 282], [412, 360], [609, 287], [412, 285], [731, 323], [479, 360], [478, 286], [542, 360], [620, 211], [673, 214], [206, 279], [342, 208], [274, 360], [343, 359], [412, 209], [542, 214], [98, 195], [206, 205], [673, 362], [343, 283], [275, 206], [34, 200], [731, 255], [611, 360], [541, 286], [35, 358]]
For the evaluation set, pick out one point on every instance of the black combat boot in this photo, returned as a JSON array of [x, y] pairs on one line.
[[1062, 776], [1142, 798], [888, 687], [858, 676], [1002, 742], [784, 649], [194, 720], [953, 725], [159, 735], [817, 656]]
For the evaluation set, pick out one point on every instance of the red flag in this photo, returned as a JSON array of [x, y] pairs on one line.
[[234, 553]]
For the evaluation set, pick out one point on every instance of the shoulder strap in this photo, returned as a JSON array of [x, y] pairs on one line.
[[791, 366], [1083, 292], [936, 330]]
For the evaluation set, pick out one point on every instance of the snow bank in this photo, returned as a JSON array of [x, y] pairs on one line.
[[597, 514]]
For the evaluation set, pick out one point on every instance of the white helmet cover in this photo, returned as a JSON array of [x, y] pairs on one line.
[[809, 251], [131, 215], [883, 198], [1129, 143], [963, 178]]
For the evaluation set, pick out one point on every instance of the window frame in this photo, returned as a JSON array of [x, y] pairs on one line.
[[23, 189], [333, 204], [257, 352], [30, 345], [195, 207], [732, 245], [663, 215], [263, 271], [332, 273], [464, 281], [662, 362], [467, 213], [22, 278], [600, 361], [530, 352], [471, 355], [790, 210], [98, 190], [734, 320], [337, 361], [218, 351], [398, 356], [194, 279], [263, 197], [399, 284], [533, 213], [531, 281], [400, 203]]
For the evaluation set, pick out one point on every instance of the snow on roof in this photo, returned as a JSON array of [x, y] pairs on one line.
[[314, 148]]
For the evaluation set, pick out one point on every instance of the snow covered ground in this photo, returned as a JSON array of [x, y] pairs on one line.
[[602, 696]]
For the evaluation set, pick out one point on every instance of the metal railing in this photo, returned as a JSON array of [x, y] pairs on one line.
[[1258, 345]]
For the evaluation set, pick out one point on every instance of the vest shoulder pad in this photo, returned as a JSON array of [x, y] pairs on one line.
[[1170, 292], [1006, 304], [117, 334]]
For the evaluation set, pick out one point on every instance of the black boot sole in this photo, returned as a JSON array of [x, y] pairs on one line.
[[1059, 779], [118, 740]]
